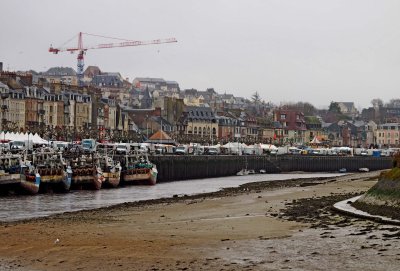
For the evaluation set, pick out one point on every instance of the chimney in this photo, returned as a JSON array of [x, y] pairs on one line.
[[1, 66]]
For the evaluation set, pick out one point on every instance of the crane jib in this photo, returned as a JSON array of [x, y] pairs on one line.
[[82, 49]]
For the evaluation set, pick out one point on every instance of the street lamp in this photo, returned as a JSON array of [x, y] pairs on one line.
[[212, 132], [147, 127]]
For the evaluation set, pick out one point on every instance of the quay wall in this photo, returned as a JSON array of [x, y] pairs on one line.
[[173, 167]]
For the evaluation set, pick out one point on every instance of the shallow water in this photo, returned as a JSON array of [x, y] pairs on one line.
[[23, 207]]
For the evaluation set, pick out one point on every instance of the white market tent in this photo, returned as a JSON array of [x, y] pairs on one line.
[[315, 141], [268, 147], [34, 138], [259, 149], [234, 147], [253, 149]]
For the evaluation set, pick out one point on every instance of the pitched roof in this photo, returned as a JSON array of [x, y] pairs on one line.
[[60, 71], [200, 113], [172, 83], [3, 85], [108, 80], [149, 79], [160, 135], [92, 71]]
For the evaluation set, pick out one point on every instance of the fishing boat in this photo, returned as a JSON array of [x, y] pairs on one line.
[[17, 175], [111, 171], [55, 174], [86, 171], [137, 169]]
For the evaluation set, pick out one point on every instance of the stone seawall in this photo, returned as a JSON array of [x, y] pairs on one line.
[[173, 167]]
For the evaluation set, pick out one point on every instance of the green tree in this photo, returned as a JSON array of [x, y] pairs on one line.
[[334, 108]]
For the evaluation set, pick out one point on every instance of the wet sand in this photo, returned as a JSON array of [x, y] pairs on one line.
[[259, 226]]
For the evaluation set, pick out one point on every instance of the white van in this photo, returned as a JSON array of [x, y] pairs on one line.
[[60, 145], [122, 148], [18, 145]]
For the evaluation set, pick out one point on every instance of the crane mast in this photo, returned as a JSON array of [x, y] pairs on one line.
[[81, 63], [81, 50]]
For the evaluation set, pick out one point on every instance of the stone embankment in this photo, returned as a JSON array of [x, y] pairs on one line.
[[173, 167]]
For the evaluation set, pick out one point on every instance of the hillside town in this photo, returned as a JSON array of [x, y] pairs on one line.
[[108, 107]]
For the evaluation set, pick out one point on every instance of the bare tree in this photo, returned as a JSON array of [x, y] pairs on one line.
[[394, 103], [377, 103], [256, 98]]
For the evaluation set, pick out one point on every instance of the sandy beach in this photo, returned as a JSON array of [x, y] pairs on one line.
[[259, 226]]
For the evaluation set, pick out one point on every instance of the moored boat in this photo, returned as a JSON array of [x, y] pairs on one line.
[[18, 175], [86, 171], [55, 174], [137, 169], [111, 171]]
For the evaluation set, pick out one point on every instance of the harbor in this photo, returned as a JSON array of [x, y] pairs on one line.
[[91, 166], [214, 135]]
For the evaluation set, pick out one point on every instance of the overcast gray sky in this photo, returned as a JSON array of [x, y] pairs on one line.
[[301, 50]]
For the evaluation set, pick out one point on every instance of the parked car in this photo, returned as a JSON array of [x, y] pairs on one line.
[[211, 151], [5, 146], [77, 149], [181, 150]]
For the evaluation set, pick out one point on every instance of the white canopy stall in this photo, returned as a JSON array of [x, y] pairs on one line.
[[234, 148], [34, 138]]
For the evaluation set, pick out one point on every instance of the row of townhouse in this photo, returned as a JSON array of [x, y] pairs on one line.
[[30, 107], [34, 106], [201, 122], [288, 127], [25, 105]]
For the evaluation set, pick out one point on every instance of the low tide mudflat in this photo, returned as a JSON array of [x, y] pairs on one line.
[[258, 226]]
